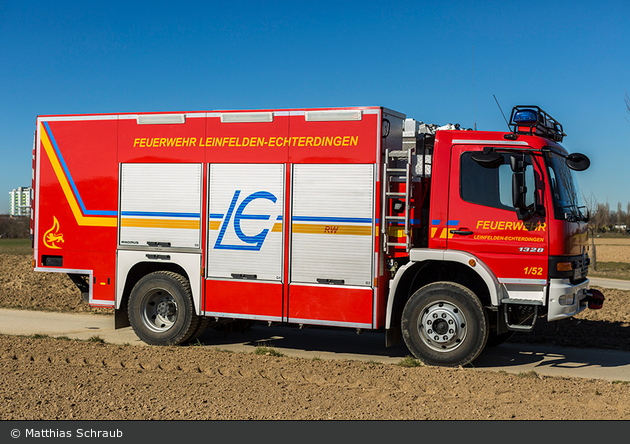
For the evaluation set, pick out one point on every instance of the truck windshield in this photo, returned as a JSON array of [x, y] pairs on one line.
[[567, 198]]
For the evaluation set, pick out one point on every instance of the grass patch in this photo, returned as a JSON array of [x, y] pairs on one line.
[[16, 246], [97, 339], [611, 270], [410, 362], [39, 336], [610, 235], [224, 350], [268, 351]]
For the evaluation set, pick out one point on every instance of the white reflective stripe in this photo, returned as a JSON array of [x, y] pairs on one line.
[[522, 281], [219, 314], [329, 323], [488, 142], [62, 270], [345, 287], [76, 118]]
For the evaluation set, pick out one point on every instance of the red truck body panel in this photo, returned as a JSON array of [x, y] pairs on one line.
[[77, 199], [302, 189]]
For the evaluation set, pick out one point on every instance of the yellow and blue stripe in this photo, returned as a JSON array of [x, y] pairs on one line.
[[154, 219], [348, 226], [444, 231], [83, 216]]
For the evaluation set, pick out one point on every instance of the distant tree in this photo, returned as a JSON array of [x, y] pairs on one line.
[[14, 227], [598, 215]]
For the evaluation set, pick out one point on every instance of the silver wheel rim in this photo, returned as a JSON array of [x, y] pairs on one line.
[[442, 326], [159, 310]]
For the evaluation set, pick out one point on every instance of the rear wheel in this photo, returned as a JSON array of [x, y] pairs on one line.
[[161, 310], [444, 324]]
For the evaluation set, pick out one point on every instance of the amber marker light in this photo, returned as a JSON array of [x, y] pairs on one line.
[[564, 266], [472, 262]]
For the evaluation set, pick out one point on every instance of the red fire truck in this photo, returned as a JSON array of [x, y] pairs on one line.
[[448, 239]]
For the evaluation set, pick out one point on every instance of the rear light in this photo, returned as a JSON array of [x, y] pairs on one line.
[[564, 266]]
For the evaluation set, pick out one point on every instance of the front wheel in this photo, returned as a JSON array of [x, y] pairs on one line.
[[444, 324], [161, 310]]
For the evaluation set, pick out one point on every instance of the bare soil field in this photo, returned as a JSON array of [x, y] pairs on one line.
[[619, 241], [613, 249], [58, 379]]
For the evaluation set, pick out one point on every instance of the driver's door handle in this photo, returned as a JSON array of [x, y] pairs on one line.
[[463, 232]]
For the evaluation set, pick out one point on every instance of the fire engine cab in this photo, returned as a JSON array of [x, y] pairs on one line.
[[450, 240]]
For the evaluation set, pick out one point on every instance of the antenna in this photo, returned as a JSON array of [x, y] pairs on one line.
[[473, 73], [506, 122]]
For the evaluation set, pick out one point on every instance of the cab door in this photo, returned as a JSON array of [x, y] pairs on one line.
[[483, 221]]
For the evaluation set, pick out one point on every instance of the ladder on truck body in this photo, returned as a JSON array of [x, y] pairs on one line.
[[391, 176], [412, 163]]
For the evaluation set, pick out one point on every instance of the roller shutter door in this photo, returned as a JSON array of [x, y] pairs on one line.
[[246, 203], [332, 227], [160, 205]]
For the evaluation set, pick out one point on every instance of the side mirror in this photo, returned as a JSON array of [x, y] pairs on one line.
[[577, 161], [517, 165], [518, 190], [488, 158]]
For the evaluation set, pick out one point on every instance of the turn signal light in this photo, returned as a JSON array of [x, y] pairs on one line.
[[564, 266]]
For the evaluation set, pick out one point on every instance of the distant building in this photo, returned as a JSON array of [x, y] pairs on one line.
[[20, 203]]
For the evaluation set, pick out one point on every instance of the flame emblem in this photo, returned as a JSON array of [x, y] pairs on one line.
[[52, 236]]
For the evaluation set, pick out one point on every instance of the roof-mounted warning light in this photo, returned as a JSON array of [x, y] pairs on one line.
[[534, 121]]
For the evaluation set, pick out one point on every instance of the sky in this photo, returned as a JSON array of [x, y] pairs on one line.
[[435, 61]]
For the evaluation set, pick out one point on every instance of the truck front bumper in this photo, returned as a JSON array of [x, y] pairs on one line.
[[567, 299]]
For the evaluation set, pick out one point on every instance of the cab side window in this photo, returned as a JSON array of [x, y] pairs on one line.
[[491, 186]]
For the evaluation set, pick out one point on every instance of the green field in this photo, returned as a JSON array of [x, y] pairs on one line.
[[611, 270], [16, 246]]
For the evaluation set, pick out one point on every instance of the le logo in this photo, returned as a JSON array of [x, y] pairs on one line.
[[236, 215], [52, 237]]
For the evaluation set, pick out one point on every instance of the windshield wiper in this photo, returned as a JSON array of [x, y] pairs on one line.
[[575, 214], [583, 217]]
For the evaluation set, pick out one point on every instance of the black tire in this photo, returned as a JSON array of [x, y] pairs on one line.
[[161, 310], [445, 324], [495, 339]]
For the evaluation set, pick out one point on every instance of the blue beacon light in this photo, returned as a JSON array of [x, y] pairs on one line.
[[526, 117]]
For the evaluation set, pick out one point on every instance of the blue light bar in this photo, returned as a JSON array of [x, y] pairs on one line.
[[530, 119], [526, 117]]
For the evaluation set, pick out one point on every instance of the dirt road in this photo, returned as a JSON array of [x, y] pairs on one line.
[[47, 378]]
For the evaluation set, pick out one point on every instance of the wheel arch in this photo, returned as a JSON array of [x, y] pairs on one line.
[[132, 266], [427, 266]]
